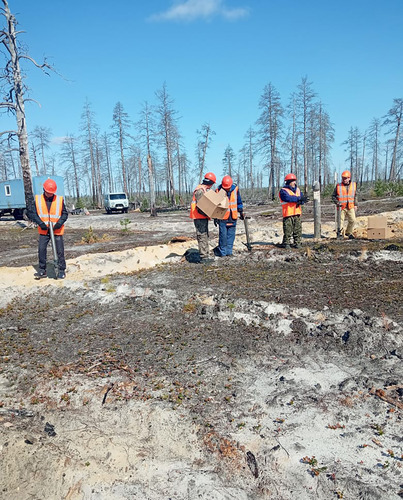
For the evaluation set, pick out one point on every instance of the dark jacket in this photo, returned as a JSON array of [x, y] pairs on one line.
[[288, 198]]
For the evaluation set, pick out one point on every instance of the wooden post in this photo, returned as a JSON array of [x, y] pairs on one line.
[[316, 211]]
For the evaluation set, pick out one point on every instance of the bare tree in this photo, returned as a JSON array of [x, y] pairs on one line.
[[108, 162], [374, 143], [202, 144], [69, 156], [168, 133], [120, 126], [325, 138], [35, 157], [353, 143], [305, 97], [11, 167], [228, 160], [270, 127], [394, 120], [146, 128], [90, 130], [42, 137], [292, 136], [14, 89], [250, 153]]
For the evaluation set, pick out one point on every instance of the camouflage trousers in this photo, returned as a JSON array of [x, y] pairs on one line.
[[292, 228], [202, 237]]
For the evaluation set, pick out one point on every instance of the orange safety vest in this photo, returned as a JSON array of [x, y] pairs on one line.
[[232, 204], [194, 213], [346, 195], [53, 215], [290, 209]]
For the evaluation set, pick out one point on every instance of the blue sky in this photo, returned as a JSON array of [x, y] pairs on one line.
[[215, 56]]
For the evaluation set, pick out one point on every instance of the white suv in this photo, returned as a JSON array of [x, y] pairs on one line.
[[116, 202]]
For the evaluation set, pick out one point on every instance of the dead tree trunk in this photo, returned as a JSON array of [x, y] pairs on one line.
[[153, 210], [8, 37]]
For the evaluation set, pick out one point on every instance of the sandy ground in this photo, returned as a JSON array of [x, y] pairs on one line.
[[268, 399]]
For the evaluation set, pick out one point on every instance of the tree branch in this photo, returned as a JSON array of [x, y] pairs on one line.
[[33, 100], [8, 105], [11, 132], [40, 66]]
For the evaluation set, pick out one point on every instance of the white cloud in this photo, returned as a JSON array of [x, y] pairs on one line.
[[190, 10], [59, 140]]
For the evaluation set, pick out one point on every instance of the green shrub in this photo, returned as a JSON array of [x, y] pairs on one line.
[[124, 223], [144, 205], [328, 190], [385, 188]]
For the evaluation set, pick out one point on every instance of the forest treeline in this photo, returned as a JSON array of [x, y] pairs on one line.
[[144, 155]]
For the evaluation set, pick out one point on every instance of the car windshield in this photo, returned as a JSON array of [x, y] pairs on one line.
[[117, 196]]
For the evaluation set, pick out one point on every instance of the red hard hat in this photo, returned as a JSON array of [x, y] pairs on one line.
[[346, 174], [290, 177], [210, 177], [50, 186], [226, 182]]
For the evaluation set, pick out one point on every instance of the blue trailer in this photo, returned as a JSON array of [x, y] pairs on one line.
[[12, 195]]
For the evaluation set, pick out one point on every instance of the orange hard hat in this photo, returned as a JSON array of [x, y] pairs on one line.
[[226, 182], [346, 174], [290, 177], [50, 186], [210, 177]]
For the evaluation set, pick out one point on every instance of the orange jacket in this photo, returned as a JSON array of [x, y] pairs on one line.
[[232, 204], [290, 209], [53, 215], [346, 195], [194, 212]]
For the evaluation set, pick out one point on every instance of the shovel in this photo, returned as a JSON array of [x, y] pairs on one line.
[[248, 243], [55, 259], [338, 221]]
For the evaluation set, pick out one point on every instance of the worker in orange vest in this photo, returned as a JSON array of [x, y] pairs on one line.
[[291, 200], [200, 219], [227, 225], [345, 198], [50, 209]]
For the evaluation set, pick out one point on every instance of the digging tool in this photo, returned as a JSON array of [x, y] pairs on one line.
[[248, 243], [55, 259], [338, 221]]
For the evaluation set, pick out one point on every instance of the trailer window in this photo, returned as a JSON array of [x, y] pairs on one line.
[[7, 189]]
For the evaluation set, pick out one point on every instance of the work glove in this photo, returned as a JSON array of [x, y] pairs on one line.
[[216, 222], [241, 215], [305, 199], [43, 226], [57, 226]]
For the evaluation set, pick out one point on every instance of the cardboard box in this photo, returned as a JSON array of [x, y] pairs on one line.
[[380, 233], [377, 222], [213, 204]]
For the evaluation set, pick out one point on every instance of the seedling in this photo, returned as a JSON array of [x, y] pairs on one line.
[[90, 236], [378, 429], [312, 461], [124, 223], [316, 472]]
